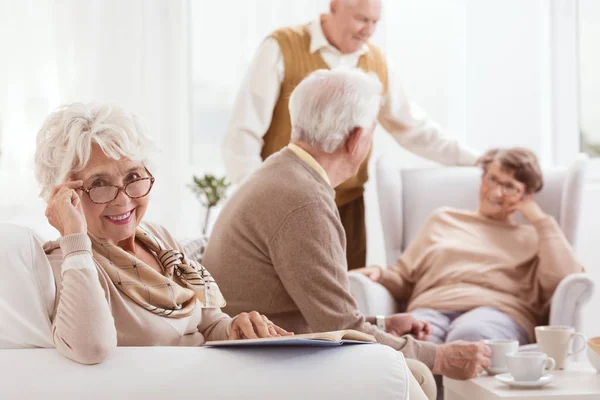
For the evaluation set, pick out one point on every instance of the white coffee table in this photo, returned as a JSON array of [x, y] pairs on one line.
[[579, 381]]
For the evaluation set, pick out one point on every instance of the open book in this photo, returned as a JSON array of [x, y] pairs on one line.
[[335, 338]]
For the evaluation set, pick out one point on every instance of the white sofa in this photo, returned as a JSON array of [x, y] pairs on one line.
[[407, 197], [31, 369]]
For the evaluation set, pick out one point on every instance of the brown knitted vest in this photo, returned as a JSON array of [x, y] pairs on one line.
[[294, 43]]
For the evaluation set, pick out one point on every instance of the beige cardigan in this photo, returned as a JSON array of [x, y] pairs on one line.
[[92, 316], [461, 260]]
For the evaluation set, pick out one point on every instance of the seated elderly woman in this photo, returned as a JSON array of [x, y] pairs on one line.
[[478, 274], [120, 281]]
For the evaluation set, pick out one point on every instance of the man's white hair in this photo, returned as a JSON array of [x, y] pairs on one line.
[[65, 140], [328, 104]]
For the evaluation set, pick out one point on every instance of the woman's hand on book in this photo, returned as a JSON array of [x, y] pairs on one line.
[[406, 324], [253, 325]]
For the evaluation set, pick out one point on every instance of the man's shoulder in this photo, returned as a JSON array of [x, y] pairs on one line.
[[288, 172], [284, 180], [287, 32]]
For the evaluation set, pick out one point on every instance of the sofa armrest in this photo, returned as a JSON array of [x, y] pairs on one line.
[[571, 294], [371, 298]]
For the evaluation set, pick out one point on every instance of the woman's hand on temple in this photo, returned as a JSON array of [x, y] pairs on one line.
[[253, 325], [64, 211]]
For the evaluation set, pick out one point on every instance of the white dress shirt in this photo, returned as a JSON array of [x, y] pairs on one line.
[[259, 93]]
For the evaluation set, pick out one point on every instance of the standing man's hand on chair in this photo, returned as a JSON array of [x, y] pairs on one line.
[[372, 272]]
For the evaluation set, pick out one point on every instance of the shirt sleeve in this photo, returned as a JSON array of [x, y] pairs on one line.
[[414, 131], [215, 324], [83, 327], [253, 111], [308, 254], [556, 257]]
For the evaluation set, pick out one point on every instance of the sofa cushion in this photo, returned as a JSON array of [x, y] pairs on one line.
[[194, 247], [369, 371], [27, 290]]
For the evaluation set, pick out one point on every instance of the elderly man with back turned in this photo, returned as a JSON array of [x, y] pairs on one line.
[[278, 245], [260, 122]]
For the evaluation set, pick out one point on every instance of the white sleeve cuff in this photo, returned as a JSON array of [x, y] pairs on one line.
[[79, 260]]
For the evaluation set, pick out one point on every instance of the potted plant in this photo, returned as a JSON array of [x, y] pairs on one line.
[[209, 190]]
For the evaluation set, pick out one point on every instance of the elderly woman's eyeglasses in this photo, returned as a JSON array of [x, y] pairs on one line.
[[507, 188], [135, 189]]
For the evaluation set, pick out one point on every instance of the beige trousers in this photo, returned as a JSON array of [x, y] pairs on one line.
[[422, 384]]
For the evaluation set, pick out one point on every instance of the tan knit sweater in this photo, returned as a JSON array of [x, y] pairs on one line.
[[278, 247], [461, 260], [92, 316]]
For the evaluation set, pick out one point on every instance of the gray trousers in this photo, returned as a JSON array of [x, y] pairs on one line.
[[478, 324]]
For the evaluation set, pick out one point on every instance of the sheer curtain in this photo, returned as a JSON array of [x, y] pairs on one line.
[[417, 37], [178, 64], [131, 53], [224, 37], [589, 69]]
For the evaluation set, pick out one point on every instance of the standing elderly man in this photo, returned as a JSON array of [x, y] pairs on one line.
[[278, 245], [260, 124]]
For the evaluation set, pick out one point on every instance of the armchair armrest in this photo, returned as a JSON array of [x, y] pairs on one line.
[[371, 298], [571, 294]]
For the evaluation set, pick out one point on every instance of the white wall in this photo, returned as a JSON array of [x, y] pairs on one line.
[[589, 58], [589, 101]]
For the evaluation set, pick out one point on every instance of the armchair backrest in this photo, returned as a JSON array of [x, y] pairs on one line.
[[407, 197]]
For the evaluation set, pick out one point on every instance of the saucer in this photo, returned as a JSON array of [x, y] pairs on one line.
[[509, 380], [496, 371]]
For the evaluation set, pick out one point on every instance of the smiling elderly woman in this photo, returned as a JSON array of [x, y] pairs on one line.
[[120, 281]]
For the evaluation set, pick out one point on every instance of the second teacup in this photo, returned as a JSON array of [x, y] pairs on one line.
[[529, 365], [500, 348], [557, 342]]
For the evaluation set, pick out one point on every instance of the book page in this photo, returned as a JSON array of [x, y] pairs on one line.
[[334, 336]]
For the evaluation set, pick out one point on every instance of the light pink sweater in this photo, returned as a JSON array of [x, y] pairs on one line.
[[461, 260], [92, 316]]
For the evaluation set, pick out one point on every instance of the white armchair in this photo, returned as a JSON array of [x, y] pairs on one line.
[[407, 197]]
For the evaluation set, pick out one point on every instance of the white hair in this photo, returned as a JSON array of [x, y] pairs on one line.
[[65, 140], [328, 104]]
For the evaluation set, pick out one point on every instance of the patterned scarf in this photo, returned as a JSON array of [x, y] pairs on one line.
[[156, 292]]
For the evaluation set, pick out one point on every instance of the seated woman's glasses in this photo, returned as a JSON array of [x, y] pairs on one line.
[[137, 188], [507, 188]]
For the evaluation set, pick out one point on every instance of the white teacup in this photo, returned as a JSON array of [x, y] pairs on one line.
[[529, 365], [500, 348], [557, 342]]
